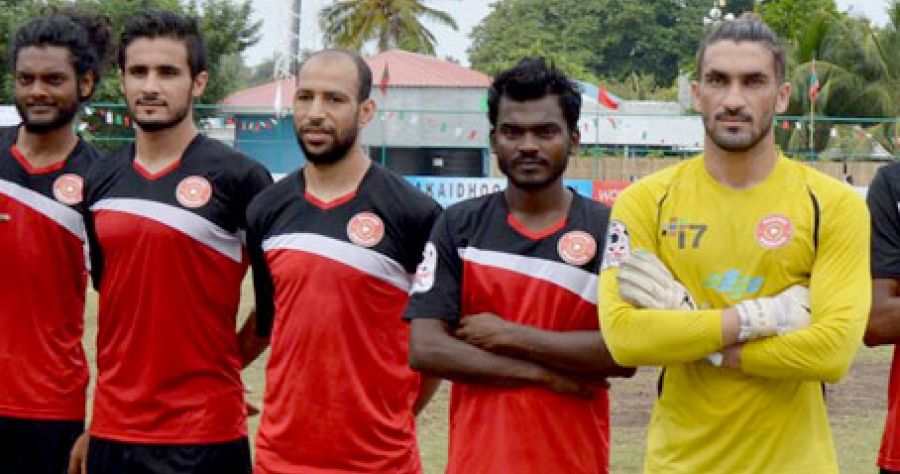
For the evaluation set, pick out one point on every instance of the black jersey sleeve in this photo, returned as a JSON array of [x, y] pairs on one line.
[[883, 207], [255, 179], [263, 287], [95, 254], [437, 287]]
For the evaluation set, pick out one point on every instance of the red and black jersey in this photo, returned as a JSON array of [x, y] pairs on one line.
[[339, 392], [43, 371], [883, 199], [479, 258], [168, 258]]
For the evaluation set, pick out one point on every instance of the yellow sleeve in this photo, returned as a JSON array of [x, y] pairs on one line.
[[647, 336], [841, 294]]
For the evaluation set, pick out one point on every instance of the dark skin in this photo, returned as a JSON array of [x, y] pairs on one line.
[[884, 317], [532, 142]]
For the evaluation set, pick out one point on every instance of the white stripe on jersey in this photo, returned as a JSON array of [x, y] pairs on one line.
[[63, 215], [365, 260], [186, 222], [573, 279]]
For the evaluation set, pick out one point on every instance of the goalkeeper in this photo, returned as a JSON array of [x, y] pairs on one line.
[[743, 274]]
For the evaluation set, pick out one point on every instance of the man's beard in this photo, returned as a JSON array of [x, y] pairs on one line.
[[340, 148], [159, 125], [732, 142], [63, 118]]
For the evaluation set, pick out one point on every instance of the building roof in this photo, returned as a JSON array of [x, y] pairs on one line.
[[405, 69]]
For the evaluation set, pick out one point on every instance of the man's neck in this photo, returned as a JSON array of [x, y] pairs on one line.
[[333, 180], [537, 209], [46, 149], [157, 150], [741, 170]]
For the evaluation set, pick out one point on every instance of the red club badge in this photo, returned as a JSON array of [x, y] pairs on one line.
[[577, 247], [773, 232], [193, 192], [365, 229], [68, 189]]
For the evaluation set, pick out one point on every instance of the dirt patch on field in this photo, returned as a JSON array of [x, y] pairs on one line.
[[631, 400], [864, 390]]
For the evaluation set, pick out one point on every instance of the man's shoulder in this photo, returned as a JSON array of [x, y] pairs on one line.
[[222, 155], [269, 199], [8, 135], [655, 185], [399, 191], [826, 188], [472, 209]]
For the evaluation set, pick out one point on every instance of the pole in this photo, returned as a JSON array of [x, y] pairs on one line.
[[812, 114], [812, 129], [295, 43]]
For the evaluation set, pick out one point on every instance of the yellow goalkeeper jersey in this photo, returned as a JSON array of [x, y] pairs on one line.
[[798, 226]]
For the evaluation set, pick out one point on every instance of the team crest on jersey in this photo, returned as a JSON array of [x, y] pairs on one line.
[[773, 232], [576, 247], [193, 192], [424, 279], [68, 189], [618, 245], [365, 229]]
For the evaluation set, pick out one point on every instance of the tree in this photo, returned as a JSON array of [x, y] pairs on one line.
[[13, 13], [857, 69], [606, 38], [225, 25], [390, 23], [228, 31], [263, 73], [789, 18]]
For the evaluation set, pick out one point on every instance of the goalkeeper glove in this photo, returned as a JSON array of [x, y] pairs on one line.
[[645, 282], [780, 314]]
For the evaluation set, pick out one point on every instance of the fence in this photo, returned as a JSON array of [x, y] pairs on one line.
[[613, 147]]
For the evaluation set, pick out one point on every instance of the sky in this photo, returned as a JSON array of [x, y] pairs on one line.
[[468, 13]]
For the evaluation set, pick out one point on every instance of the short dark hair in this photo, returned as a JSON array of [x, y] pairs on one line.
[[165, 24], [87, 37], [364, 73], [746, 28], [532, 79]]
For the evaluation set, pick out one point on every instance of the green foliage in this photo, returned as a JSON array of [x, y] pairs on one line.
[[790, 18], [226, 26], [262, 73], [390, 23], [859, 72], [608, 39], [642, 87]]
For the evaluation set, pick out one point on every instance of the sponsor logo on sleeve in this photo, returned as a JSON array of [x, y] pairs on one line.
[[577, 247], [365, 229], [68, 189], [424, 279], [773, 232], [193, 192], [618, 245]]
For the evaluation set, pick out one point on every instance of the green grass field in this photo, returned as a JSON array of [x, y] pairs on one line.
[[857, 408]]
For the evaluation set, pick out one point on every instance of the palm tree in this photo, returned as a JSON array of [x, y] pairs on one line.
[[391, 23], [857, 68]]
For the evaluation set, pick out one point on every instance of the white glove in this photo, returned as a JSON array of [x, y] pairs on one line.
[[645, 282], [780, 314]]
